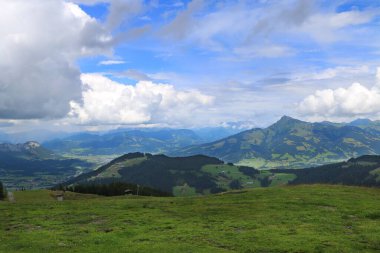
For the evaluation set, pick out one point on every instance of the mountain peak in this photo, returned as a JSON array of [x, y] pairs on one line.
[[287, 119], [286, 122], [361, 122], [31, 145]]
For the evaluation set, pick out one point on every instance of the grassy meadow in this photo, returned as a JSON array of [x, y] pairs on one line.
[[316, 218]]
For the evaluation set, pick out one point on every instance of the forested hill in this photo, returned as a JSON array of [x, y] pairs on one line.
[[179, 176], [292, 143], [361, 171]]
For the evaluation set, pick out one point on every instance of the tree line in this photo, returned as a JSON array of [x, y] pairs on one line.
[[115, 188]]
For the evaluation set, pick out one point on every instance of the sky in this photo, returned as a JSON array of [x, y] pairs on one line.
[[96, 65]]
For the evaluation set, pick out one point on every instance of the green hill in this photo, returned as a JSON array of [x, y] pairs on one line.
[[316, 218], [176, 175], [292, 143], [197, 175], [361, 171]]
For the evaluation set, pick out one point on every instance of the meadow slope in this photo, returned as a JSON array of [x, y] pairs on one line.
[[314, 218]]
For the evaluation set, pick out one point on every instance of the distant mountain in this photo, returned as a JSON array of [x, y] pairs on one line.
[[291, 143], [208, 134], [32, 165], [362, 123], [150, 140], [39, 135], [175, 175], [28, 150], [361, 171], [368, 124]]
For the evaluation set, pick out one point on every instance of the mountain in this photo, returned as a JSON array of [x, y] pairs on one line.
[[372, 125], [361, 171], [175, 175], [208, 134], [361, 122], [39, 135], [291, 143], [29, 150], [32, 165], [121, 142]]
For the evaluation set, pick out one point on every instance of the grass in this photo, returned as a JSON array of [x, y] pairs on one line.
[[315, 218], [113, 170], [225, 173]]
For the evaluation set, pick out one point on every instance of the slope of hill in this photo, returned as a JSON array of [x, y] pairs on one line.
[[291, 143], [31, 165], [316, 218], [152, 141], [361, 171], [177, 175]]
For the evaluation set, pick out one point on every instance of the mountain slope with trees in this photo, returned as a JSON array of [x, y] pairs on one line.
[[175, 175], [361, 171], [291, 143]]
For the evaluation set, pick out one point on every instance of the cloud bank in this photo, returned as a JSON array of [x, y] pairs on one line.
[[109, 102], [354, 101], [40, 43]]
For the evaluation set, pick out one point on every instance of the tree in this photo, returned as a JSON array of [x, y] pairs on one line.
[[235, 184], [2, 191]]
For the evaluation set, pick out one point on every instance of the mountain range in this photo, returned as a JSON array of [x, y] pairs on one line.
[[293, 143], [287, 144], [123, 141]]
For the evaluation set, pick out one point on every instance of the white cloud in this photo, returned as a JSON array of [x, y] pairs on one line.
[[109, 102], [111, 62], [40, 43], [353, 101], [242, 26], [122, 10], [336, 72], [133, 74], [325, 27], [262, 51]]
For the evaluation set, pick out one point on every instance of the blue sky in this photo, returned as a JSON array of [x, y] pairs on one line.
[[192, 63]]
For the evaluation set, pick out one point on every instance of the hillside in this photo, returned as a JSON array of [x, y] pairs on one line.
[[31, 165], [280, 219], [291, 143], [361, 171], [177, 175]]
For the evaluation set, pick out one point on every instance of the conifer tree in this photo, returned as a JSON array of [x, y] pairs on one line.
[[2, 191]]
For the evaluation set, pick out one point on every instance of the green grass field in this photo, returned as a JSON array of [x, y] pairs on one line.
[[315, 218]]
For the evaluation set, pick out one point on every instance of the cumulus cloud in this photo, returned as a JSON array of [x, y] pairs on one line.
[[355, 100], [40, 43], [109, 102]]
